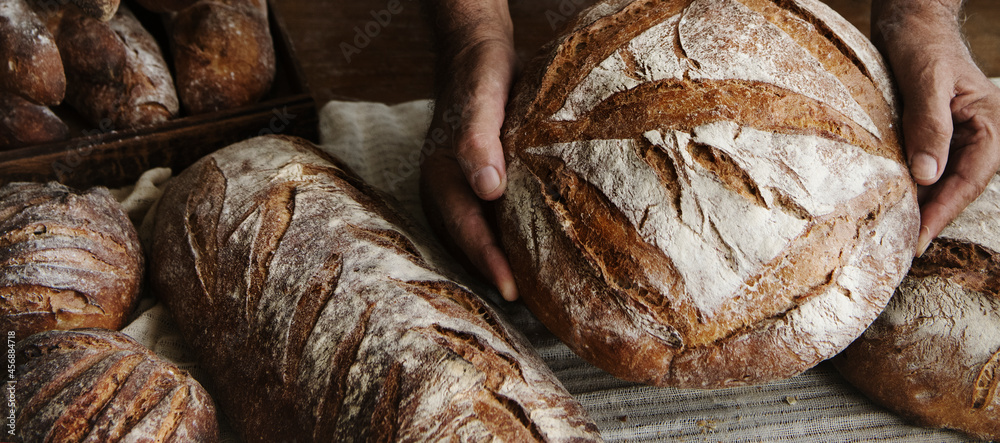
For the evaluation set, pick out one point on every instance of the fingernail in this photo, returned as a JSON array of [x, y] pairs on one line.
[[923, 166], [486, 180], [508, 290], [923, 241]]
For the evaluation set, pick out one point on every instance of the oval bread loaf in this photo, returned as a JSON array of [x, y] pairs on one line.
[[933, 356], [116, 71], [69, 259], [321, 315], [25, 123], [29, 59], [707, 193], [95, 385], [223, 54]]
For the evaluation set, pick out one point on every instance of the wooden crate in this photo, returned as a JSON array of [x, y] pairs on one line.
[[98, 156]]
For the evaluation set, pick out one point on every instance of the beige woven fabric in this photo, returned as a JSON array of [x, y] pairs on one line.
[[381, 143]]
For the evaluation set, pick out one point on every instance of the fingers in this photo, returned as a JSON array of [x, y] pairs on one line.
[[957, 189], [457, 215], [975, 159], [927, 126], [476, 69], [477, 138], [951, 111]]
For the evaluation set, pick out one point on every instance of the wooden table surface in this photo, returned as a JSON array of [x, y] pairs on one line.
[[340, 61]]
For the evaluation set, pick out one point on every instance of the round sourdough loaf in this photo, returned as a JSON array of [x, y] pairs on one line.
[[69, 259], [933, 355], [97, 385], [707, 193]]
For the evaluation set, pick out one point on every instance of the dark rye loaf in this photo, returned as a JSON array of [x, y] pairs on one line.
[[25, 123], [933, 356], [321, 315], [101, 386], [29, 59], [706, 193], [115, 69], [223, 52]]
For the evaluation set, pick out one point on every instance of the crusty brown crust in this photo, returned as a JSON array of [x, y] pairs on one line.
[[70, 259], [100, 385], [321, 316], [30, 64], [101, 10], [116, 72], [643, 213], [24, 123], [223, 54], [933, 356]]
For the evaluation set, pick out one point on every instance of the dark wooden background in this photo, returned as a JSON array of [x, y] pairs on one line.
[[397, 64]]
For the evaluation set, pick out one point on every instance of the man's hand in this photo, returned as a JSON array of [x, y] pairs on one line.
[[476, 69], [951, 111]]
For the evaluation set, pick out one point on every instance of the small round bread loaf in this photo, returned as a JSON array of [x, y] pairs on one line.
[[707, 193], [97, 385], [69, 259], [933, 356]]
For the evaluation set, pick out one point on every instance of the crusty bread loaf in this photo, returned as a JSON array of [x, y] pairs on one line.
[[706, 193], [29, 59], [69, 259], [115, 70], [321, 316], [25, 123], [223, 54], [933, 356], [95, 385], [101, 10]]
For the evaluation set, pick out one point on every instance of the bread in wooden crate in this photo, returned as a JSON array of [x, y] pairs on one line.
[[117, 76], [223, 53], [25, 123], [30, 66]]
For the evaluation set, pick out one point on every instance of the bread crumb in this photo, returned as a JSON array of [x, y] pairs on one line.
[[706, 426], [791, 399], [623, 418]]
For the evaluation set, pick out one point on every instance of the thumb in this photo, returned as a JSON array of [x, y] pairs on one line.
[[477, 139], [927, 127]]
